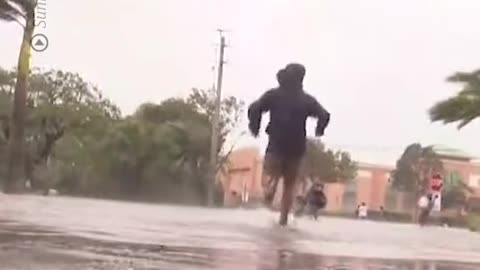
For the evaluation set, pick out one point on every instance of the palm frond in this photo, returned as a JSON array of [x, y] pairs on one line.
[[464, 77], [17, 10], [462, 108]]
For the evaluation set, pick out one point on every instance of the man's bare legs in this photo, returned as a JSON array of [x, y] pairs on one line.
[[272, 171], [269, 184], [276, 167], [287, 199]]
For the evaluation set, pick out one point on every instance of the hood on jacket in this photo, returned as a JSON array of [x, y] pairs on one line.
[[291, 77]]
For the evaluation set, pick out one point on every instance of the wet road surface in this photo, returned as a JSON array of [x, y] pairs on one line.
[[69, 233]]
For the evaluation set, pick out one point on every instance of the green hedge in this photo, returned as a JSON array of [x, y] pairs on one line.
[[473, 222], [375, 215]]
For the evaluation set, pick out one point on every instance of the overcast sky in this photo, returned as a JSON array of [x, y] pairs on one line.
[[376, 65]]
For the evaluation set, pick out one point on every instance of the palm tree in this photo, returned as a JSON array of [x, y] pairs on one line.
[[465, 106], [413, 171], [455, 196], [23, 13], [414, 168]]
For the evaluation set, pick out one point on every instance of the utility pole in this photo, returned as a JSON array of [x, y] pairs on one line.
[[215, 124]]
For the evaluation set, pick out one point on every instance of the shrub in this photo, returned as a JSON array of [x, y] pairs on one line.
[[473, 222]]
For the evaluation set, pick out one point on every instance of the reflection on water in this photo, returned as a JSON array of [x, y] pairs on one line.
[[145, 236]]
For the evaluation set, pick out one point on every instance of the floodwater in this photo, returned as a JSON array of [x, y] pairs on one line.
[[69, 233]]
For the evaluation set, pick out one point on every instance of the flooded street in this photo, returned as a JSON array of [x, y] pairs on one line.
[[69, 233]]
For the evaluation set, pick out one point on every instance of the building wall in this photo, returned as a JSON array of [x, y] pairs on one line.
[[469, 172], [463, 168], [257, 177], [243, 174], [474, 179], [364, 186], [372, 183], [380, 187], [334, 193]]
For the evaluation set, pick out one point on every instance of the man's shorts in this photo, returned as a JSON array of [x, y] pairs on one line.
[[276, 166]]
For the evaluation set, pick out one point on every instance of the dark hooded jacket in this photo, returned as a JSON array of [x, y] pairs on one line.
[[289, 108]]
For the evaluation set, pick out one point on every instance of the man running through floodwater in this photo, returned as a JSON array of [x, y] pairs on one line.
[[289, 108]]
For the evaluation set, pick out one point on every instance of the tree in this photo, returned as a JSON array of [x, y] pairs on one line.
[[6, 97], [454, 193], [161, 151], [58, 103], [346, 168], [318, 163], [454, 196], [325, 165], [18, 11], [465, 106], [231, 110], [5, 110], [414, 168], [78, 142], [191, 128]]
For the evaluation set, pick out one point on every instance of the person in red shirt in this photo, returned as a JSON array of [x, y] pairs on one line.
[[436, 186], [436, 183]]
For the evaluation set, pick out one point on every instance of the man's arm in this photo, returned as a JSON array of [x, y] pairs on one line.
[[318, 111], [255, 111]]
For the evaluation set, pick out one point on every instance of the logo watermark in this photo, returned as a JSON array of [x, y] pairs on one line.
[[39, 40]]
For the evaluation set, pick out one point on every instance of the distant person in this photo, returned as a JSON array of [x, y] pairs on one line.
[[362, 211], [235, 199], [425, 204], [289, 107], [436, 183], [311, 203], [436, 186], [382, 212], [51, 192], [316, 200], [300, 204]]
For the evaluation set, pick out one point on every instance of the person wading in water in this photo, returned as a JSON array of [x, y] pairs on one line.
[[316, 199], [425, 204], [312, 202], [289, 107]]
